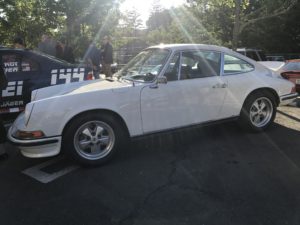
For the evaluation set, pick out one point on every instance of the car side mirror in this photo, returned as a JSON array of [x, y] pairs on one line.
[[159, 80], [162, 80]]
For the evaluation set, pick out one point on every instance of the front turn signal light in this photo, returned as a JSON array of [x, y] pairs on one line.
[[29, 135]]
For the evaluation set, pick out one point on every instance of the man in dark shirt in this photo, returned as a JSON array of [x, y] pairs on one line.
[[64, 51], [107, 56], [47, 45], [93, 58]]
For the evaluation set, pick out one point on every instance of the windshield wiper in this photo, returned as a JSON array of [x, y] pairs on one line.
[[127, 79]]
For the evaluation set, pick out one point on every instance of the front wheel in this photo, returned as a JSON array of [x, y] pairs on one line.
[[93, 139], [258, 111]]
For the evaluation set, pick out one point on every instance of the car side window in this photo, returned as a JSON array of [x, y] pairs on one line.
[[11, 63], [234, 65], [200, 64], [173, 68]]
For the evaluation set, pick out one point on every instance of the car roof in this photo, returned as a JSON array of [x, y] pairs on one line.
[[191, 47], [26, 50]]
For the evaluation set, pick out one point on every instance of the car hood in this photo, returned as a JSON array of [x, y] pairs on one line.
[[76, 88]]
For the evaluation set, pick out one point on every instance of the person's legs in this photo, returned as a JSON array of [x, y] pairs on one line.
[[107, 70], [96, 72]]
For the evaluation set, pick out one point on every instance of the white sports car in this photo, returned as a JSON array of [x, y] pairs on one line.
[[162, 88]]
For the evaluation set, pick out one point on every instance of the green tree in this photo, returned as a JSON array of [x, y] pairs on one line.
[[28, 19], [77, 20], [181, 28], [242, 13]]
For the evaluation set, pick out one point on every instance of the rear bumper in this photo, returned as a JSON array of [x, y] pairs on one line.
[[287, 99]]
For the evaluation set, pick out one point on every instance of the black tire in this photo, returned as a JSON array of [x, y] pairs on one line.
[[246, 120], [75, 134]]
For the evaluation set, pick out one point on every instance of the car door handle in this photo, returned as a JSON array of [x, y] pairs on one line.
[[220, 85]]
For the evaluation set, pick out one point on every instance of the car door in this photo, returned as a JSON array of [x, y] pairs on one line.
[[240, 81], [193, 94], [22, 72]]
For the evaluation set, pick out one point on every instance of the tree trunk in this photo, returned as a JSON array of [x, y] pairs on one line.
[[237, 24]]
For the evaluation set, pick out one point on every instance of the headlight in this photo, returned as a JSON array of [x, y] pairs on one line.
[[28, 110]]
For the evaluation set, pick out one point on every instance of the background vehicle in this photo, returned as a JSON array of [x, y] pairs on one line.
[[162, 88], [252, 53], [276, 58], [29, 70], [291, 72]]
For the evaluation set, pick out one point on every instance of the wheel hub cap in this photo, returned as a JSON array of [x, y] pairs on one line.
[[94, 140], [261, 112]]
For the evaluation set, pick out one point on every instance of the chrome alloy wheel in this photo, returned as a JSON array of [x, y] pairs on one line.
[[261, 112], [94, 140]]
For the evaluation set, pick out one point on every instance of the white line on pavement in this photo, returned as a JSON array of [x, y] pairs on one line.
[[43, 177]]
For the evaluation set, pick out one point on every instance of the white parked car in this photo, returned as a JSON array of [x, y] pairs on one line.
[[162, 88]]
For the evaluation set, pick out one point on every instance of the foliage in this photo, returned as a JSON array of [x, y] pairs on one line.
[[272, 25], [238, 14], [77, 20], [28, 19]]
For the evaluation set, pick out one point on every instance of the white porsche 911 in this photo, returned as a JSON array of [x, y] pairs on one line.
[[162, 88]]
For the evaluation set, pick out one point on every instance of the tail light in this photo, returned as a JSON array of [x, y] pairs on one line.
[[284, 75], [90, 76], [293, 89]]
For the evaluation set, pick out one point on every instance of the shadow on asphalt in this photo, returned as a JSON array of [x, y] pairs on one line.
[[210, 175], [276, 136]]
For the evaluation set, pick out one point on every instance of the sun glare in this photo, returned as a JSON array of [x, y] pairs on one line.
[[144, 7]]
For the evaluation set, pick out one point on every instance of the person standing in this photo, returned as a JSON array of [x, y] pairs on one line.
[[59, 50], [68, 54], [47, 45], [107, 56], [64, 51], [93, 58], [18, 43]]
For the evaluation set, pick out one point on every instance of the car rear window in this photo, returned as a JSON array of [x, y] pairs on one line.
[[234, 65], [13, 63]]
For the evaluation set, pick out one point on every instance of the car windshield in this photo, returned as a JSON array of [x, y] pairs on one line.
[[145, 66]]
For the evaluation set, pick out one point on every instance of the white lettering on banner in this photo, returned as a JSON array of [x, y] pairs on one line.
[[67, 75], [14, 88], [79, 74], [10, 64], [53, 77], [11, 103], [10, 67]]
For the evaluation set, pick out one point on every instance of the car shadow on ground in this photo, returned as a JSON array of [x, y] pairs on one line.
[[276, 137], [217, 173], [210, 175]]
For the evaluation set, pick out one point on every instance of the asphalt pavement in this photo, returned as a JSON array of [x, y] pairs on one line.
[[211, 175]]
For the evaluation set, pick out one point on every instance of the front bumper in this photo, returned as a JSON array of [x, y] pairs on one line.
[[287, 99], [38, 148]]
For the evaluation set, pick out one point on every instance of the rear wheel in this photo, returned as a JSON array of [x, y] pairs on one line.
[[258, 111], [93, 138]]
